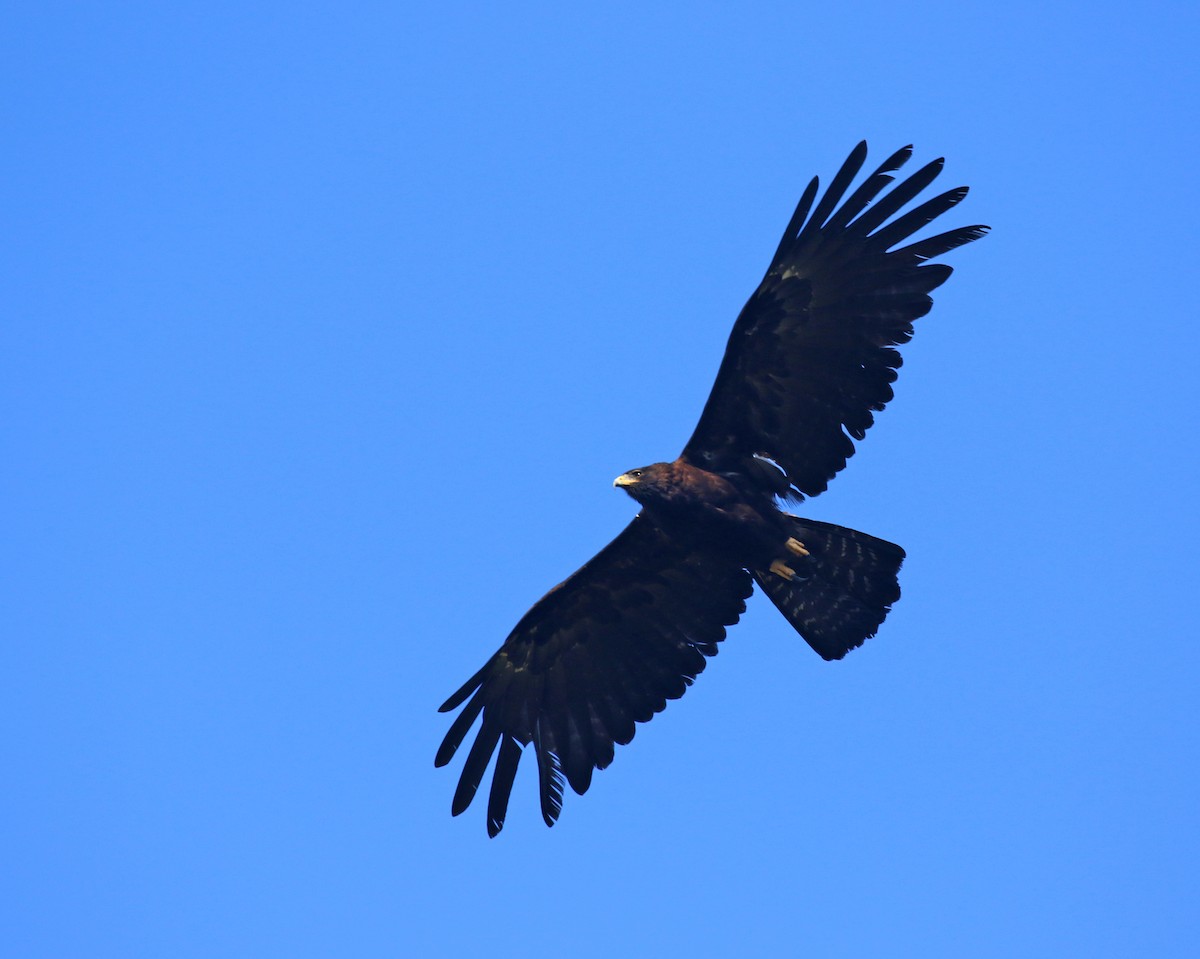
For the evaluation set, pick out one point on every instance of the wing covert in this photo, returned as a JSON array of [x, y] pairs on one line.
[[812, 355]]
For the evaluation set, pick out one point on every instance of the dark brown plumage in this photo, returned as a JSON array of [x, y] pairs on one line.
[[811, 358]]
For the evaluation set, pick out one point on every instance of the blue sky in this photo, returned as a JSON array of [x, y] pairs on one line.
[[326, 330]]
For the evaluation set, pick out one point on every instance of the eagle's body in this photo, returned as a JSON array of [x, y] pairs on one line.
[[809, 361], [710, 510]]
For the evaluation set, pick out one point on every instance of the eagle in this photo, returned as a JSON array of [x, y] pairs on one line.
[[811, 359]]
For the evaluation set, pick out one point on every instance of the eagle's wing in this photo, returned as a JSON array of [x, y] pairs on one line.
[[600, 652], [812, 353]]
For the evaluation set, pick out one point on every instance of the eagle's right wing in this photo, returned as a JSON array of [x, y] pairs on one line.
[[600, 652]]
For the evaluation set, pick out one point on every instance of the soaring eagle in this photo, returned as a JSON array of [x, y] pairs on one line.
[[811, 358]]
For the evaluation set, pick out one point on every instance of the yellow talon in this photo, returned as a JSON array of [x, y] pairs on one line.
[[780, 569], [796, 546]]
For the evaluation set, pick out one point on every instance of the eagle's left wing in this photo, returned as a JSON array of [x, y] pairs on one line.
[[812, 355]]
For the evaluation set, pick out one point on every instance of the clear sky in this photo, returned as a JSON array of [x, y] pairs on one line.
[[325, 331]]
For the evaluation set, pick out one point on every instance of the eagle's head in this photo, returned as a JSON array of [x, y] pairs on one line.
[[646, 482]]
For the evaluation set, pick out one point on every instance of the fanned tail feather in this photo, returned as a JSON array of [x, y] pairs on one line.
[[842, 590]]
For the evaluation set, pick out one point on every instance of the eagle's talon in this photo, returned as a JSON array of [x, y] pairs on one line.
[[779, 568], [796, 546]]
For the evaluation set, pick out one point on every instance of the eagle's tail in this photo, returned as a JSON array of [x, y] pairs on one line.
[[841, 590]]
